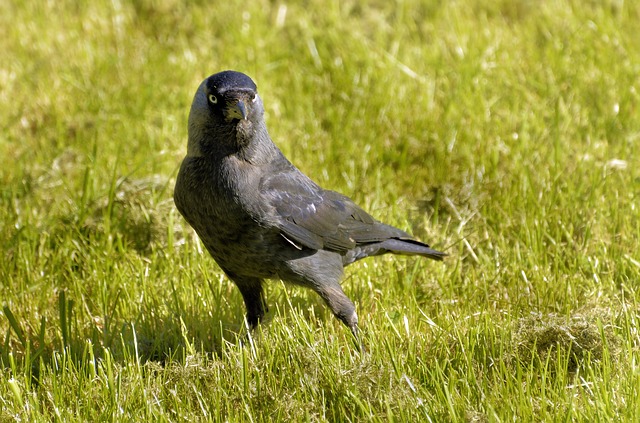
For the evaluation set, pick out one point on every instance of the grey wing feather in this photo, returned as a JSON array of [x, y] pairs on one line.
[[321, 219]]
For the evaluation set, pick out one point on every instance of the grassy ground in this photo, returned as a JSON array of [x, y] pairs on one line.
[[504, 132]]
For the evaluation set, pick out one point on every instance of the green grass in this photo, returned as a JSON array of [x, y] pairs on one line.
[[504, 132]]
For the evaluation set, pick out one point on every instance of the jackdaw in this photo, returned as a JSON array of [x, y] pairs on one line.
[[262, 218]]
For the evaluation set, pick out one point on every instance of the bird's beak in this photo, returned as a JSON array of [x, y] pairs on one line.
[[236, 110]]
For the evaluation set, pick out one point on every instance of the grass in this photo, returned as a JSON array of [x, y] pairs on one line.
[[504, 132]]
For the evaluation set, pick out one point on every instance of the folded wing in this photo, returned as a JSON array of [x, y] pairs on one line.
[[309, 216]]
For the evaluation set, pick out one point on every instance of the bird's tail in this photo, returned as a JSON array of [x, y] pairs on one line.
[[411, 247]]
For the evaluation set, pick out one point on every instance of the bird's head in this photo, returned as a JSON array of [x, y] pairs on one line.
[[225, 112]]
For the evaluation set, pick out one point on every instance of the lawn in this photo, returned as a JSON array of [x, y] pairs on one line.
[[505, 133]]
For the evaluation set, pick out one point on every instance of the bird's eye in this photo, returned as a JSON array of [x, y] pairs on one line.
[[213, 99], [255, 98]]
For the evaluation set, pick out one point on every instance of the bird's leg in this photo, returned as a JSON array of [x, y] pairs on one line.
[[253, 295], [341, 306]]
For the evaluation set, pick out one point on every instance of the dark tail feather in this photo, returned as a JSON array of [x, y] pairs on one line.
[[406, 246], [411, 247]]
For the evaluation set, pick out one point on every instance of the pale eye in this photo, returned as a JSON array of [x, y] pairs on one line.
[[255, 98], [213, 99]]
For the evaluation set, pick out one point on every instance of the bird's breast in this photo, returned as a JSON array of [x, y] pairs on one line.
[[222, 205]]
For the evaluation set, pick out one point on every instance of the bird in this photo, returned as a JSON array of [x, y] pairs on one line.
[[260, 217]]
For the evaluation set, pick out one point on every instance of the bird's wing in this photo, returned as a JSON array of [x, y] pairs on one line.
[[318, 218]]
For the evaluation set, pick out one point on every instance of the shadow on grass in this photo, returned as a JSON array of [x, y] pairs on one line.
[[162, 334], [174, 338]]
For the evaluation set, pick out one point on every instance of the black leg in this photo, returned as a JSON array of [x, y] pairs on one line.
[[340, 305], [253, 295], [322, 272]]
